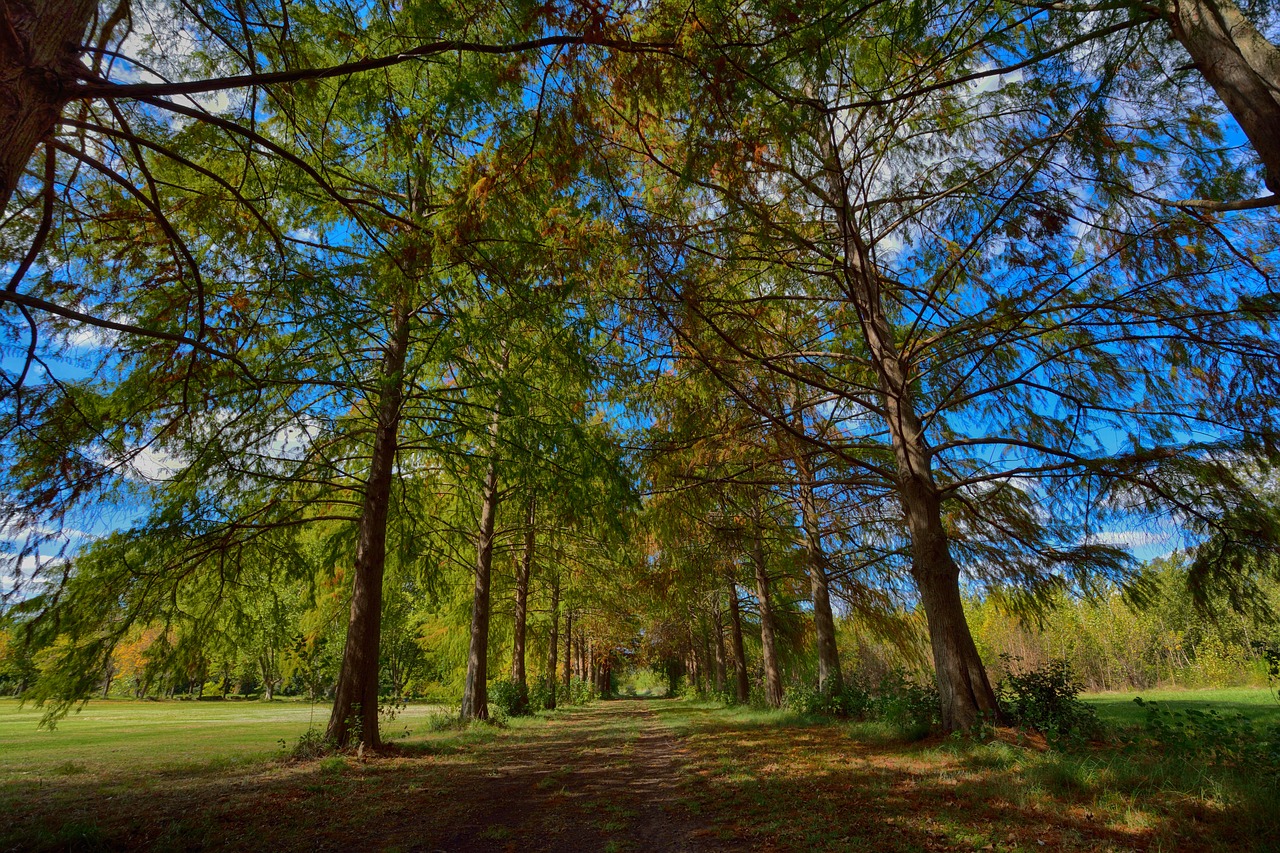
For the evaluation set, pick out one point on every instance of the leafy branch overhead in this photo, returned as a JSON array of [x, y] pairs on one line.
[[424, 337]]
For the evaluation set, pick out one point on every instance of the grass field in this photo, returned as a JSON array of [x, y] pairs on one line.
[[1256, 704], [118, 736]]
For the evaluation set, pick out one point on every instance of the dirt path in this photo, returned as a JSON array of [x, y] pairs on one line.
[[605, 777]]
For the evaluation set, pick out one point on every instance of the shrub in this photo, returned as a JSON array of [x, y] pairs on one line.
[[580, 692], [311, 744], [852, 701], [510, 699], [913, 706], [1047, 699]]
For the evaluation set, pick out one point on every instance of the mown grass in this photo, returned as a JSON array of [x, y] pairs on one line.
[[123, 737], [1257, 704]]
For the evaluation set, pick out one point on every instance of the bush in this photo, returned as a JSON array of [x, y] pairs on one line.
[[1047, 699], [913, 706], [510, 699], [580, 692], [851, 701], [540, 695], [311, 744]]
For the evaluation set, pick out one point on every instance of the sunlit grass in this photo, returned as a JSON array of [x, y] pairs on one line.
[[119, 736], [1258, 704]]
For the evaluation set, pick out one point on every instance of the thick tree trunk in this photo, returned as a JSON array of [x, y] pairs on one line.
[[355, 705], [40, 48], [768, 644], [553, 646], [1241, 65], [741, 685], [824, 623], [523, 570], [475, 690]]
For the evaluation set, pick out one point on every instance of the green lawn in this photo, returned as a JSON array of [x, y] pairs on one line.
[[1258, 704], [118, 736]]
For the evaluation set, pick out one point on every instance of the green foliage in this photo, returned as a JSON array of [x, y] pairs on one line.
[[852, 701], [579, 692], [312, 744], [1047, 699], [1206, 736], [908, 704], [1113, 642], [510, 699], [913, 706]]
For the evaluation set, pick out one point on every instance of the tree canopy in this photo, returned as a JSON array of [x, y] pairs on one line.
[[387, 341]]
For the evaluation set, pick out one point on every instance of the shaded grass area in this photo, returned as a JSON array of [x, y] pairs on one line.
[[628, 775], [566, 780], [1257, 704], [776, 780]]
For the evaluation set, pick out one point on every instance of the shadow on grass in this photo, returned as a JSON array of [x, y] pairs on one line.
[[814, 787], [613, 777], [587, 779]]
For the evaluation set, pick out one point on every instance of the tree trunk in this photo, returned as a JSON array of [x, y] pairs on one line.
[[355, 705], [554, 646], [108, 674], [824, 623], [963, 687], [769, 649], [475, 692], [591, 664], [718, 632], [523, 570], [40, 47], [742, 687], [568, 649], [268, 687], [1241, 66]]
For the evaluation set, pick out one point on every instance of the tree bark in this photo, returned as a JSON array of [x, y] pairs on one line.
[[824, 623], [768, 644], [1241, 65], [718, 632], [554, 646], [268, 686], [475, 692], [40, 48], [523, 570], [742, 686], [355, 706], [568, 649]]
